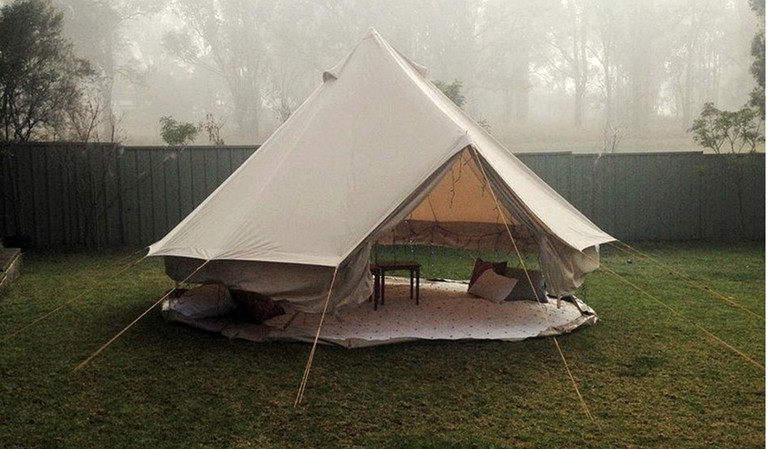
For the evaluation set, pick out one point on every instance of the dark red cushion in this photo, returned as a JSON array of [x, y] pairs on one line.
[[255, 306], [481, 266]]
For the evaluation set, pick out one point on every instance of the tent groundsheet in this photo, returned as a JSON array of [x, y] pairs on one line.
[[445, 312]]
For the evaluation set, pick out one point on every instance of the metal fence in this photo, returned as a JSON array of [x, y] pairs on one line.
[[59, 195], [662, 196]]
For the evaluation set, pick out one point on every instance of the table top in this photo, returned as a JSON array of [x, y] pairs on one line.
[[396, 264]]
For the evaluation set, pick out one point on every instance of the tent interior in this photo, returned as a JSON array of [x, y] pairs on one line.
[[461, 211], [458, 208]]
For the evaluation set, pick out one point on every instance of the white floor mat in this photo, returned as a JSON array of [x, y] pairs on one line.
[[445, 312]]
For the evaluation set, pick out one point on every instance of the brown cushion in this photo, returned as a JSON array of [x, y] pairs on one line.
[[255, 306], [481, 266], [523, 290]]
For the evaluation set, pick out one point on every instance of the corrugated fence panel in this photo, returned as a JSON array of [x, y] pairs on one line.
[[198, 182], [659, 196], [78, 194], [56, 204], [733, 196], [172, 192], [608, 197], [129, 202], [584, 184], [70, 172], [96, 190], [60, 176], [113, 198], [5, 189], [553, 168], [40, 197], [145, 207], [26, 190], [223, 165], [656, 195], [754, 196], [159, 199], [186, 196]]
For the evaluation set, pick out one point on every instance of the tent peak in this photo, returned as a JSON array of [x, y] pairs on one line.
[[333, 73], [309, 196], [381, 44]]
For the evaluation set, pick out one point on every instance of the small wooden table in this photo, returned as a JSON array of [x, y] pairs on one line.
[[379, 268]]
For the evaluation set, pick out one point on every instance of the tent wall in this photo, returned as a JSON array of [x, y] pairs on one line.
[[306, 287]]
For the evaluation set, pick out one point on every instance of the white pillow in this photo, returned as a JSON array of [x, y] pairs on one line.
[[205, 301], [493, 286]]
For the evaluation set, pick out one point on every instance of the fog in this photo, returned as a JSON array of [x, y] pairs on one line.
[[543, 75]]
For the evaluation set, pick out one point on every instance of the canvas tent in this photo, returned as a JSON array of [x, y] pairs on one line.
[[376, 153]]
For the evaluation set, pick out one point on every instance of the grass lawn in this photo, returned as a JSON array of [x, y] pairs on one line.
[[651, 378]]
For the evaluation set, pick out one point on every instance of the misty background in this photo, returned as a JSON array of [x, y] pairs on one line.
[[543, 75]]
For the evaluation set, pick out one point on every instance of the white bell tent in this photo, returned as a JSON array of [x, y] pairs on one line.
[[376, 154]]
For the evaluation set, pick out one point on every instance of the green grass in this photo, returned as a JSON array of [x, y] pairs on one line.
[[649, 377]]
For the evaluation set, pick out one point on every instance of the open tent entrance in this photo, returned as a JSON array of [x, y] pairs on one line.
[[458, 209]]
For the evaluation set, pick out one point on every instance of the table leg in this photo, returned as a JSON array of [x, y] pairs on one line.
[[418, 276], [410, 272], [382, 286]]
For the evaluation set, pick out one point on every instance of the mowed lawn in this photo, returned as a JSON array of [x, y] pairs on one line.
[[670, 367]]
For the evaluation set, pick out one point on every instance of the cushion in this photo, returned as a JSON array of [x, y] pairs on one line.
[[205, 301], [493, 286], [481, 266], [523, 290], [255, 306]]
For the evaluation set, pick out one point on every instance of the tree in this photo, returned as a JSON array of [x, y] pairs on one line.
[[212, 128], [39, 72], [570, 42], [227, 38], [734, 131], [93, 26], [708, 52], [97, 29], [645, 59], [511, 39], [757, 97], [728, 131], [174, 132], [608, 26], [452, 91]]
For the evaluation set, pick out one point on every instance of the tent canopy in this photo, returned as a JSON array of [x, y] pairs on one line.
[[377, 152]]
